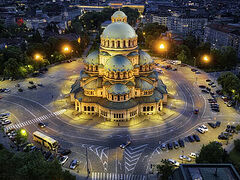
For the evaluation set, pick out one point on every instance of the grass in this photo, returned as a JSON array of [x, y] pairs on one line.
[[235, 156]]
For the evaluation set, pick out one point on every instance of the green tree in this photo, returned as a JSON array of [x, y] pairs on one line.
[[237, 144], [182, 57], [166, 169], [211, 153], [229, 57], [11, 68]]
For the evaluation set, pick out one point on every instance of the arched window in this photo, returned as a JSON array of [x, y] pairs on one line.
[[85, 108], [144, 108], [129, 43], [92, 108], [124, 43], [88, 108], [118, 98], [112, 97], [118, 44], [113, 43], [151, 108], [124, 97], [148, 108]]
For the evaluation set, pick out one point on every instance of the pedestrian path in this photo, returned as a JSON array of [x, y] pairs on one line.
[[32, 121], [115, 176]]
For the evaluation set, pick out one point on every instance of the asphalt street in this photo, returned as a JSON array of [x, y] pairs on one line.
[[106, 159]]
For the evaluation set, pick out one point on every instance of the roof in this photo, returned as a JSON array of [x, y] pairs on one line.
[[206, 171], [134, 53], [75, 87], [92, 58], [104, 53], [161, 87], [143, 85], [120, 105], [118, 63], [225, 28], [145, 58], [118, 14], [83, 74], [94, 84], [118, 89], [119, 30]]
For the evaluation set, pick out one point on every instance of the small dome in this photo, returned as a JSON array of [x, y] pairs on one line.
[[143, 85], [92, 58], [145, 58], [119, 30], [118, 63], [118, 89], [119, 14]]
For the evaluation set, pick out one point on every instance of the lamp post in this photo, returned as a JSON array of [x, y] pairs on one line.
[[162, 47], [38, 57]]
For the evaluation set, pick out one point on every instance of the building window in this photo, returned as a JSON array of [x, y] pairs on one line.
[[92, 108], [124, 97], [88, 108], [151, 108], [144, 108], [148, 108], [118, 98], [85, 108]]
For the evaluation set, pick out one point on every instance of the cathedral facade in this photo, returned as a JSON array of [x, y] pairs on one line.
[[119, 81]]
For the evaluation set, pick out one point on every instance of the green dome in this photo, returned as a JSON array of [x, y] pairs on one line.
[[119, 30], [92, 58], [143, 85], [118, 89], [119, 14], [144, 58], [133, 54], [118, 63]]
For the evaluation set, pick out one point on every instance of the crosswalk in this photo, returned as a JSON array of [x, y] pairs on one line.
[[115, 176], [32, 121], [131, 157]]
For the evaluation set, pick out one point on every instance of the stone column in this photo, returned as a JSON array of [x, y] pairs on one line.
[[121, 43], [121, 75]]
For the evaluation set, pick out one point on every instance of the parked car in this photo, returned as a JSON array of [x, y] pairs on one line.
[[175, 144], [205, 91], [212, 125], [185, 158], [217, 142], [39, 84], [170, 146], [200, 130], [191, 139], [6, 122], [208, 80], [31, 82], [181, 143], [218, 123], [196, 137], [73, 164], [209, 89], [222, 137], [202, 86], [20, 90], [215, 109], [173, 162], [163, 146], [64, 152], [204, 127], [63, 159], [193, 155]]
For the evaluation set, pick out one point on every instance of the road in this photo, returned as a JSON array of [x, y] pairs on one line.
[[106, 159]]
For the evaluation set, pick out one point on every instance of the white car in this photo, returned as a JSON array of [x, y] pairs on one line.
[[202, 131], [7, 90], [173, 162], [193, 155], [182, 157], [6, 122], [204, 127], [63, 159], [73, 164]]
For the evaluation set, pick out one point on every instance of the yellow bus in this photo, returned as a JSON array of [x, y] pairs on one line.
[[45, 140]]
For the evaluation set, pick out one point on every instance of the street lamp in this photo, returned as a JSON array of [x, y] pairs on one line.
[[162, 46], [206, 58], [66, 49], [23, 132], [37, 57]]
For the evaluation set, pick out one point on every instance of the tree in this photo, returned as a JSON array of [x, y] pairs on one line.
[[237, 144], [211, 153], [11, 68], [166, 169]]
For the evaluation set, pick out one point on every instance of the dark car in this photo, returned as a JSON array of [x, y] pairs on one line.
[[214, 105], [223, 137], [170, 146], [34, 86], [212, 100], [218, 123], [175, 144], [202, 86], [30, 87], [31, 82], [208, 80], [209, 89], [191, 139], [212, 125], [41, 125], [193, 70], [218, 143], [20, 90], [205, 91], [215, 109], [175, 69], [196, 137], [64, 152], [212, 93], [229, 130], [181, 143]]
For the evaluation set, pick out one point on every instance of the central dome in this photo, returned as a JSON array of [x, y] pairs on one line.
[[119, 30], [119, 14], [118, 63]]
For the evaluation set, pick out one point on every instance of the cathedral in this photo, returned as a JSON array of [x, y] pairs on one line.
[[118, 81]]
